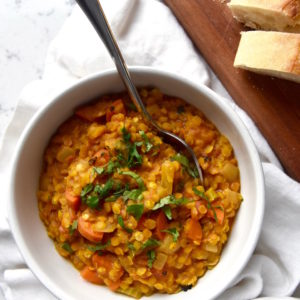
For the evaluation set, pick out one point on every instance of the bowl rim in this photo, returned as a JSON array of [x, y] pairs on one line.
[[207, 92]]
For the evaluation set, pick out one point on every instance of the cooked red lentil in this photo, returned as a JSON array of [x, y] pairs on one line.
[[125, 208]]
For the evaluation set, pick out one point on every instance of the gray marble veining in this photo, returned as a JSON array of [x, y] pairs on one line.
[[26, 29]]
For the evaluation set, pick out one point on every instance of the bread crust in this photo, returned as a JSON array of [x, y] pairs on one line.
[[271, 53], [281, 15]]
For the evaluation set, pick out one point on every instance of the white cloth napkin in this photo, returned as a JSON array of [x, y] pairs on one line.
[[148, 34]]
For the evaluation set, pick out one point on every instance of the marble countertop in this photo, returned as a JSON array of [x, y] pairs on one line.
[[26, 29]]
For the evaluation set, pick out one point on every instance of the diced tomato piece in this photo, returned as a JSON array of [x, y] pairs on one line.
[[115, 108], [161, 224], [90, 275], [85, 229], [141, 221], [194, 230], [217, 214], [107, 262], [72, 200]]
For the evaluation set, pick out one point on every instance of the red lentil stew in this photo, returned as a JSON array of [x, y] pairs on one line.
[[125, 208]]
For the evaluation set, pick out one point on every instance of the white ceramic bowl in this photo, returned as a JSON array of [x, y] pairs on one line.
[[56, 273]]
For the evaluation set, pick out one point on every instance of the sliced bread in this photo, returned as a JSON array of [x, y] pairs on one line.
[[272, 53], [279, 15]]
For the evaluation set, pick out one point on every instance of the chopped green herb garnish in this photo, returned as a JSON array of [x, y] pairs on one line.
[[150, 243], [173, 232], [135, 176], [151, 258], [180, 109], [92, 201], [98, 170], [135, 194], [126, 135], [121, 223], [219, 207], [168, 212], [183, 160], [112, 198], [209, 206], [73, 227], [66, 246], [98, 246], [136, 210], [134, 158], [112, 166], [131, 247], [147, 143], [121, 159], [87, 189], [170, 200], [202, 195], [104, 190]]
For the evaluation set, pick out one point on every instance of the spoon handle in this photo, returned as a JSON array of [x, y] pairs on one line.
[[94, 11]]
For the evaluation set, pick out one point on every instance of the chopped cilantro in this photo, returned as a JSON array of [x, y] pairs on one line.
[[104, 190], [126, 135], [183, 160], [92, 201], [136, 210], [147, 143], [170, 200], [134, 158], [209, 206], [151, 258], [87, 189], [173, 232], [135, 176], [66, 246], [98, 246], [112, 166], [135, 194], [112, 198], [131, 247], [73, 227], [98, 170], [202, 195], [168, 212], [121, 223], [150, 243]]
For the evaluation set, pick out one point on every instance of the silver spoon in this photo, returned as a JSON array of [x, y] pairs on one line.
[[94, 12]]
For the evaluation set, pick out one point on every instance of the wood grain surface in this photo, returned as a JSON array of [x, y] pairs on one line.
[[273, 104]]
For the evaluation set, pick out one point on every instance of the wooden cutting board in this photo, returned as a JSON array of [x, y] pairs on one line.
[[273, 104]]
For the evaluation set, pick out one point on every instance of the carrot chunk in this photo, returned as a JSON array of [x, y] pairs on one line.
[[108, 262], [217, 214], [86, 230], [161, 224], [90, 275], [194, 230]]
